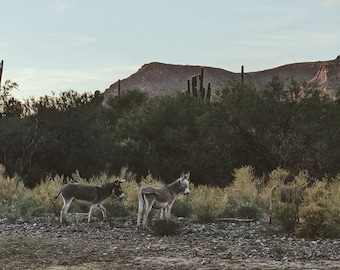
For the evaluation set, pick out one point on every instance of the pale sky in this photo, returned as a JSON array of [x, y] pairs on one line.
[[86, 45]]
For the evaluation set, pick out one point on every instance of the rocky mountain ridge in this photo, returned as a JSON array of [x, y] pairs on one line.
[[158, 78]]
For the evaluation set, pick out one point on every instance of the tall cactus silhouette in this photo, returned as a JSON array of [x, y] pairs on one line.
[[208, 92], [242, 74], [119, 87], [1, 68], [188, 86], [199, 92], [202, 90], [194, 86]]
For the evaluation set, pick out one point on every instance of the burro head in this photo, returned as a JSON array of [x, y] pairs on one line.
[[184, 183], [117, 189]]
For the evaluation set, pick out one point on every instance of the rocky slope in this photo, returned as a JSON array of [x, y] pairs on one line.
[[158, 78]]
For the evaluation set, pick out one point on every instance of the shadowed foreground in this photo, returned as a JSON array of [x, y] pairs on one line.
[[48, 245]]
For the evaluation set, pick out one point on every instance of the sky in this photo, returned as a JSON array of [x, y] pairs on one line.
[[51, 46]]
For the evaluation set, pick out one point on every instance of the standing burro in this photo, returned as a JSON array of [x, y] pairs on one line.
[[161, 197], [93, 196]]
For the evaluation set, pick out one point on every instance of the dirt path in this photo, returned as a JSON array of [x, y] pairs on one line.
[[43, 245]]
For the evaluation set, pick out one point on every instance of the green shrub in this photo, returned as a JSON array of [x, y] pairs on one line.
[[165, 227], [317, 220], [334, 197], [249, 210], [115, 208], [245, 185], [46, 192], [241, 209], [131, 189], [10, 186], [209, 203], [243, 194], [182, 207], [232, 207], [206, 216], [16, 202], [285, 215], [21, 208]]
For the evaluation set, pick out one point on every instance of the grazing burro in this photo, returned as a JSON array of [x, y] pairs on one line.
[[93, 196], [161, 198]]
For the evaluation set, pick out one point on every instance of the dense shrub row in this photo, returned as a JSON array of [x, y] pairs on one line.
[[295, 128], [247, 197]]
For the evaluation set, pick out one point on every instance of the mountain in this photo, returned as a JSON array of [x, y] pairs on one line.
[[158, 78]]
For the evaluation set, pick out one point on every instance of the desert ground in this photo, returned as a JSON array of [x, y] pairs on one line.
[[117, 244]]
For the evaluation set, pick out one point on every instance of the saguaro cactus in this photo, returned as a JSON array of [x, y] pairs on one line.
[[188, 86], [118, 88], [242, 74], [194, 86], [201, 90], [1, 68], [207, 98]]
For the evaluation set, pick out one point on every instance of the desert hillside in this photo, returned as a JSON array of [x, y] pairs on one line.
[[159, 78]]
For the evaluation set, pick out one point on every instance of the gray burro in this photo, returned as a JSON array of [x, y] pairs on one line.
[[89, 195]]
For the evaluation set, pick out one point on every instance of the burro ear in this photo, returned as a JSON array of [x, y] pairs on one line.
[[188, 175]]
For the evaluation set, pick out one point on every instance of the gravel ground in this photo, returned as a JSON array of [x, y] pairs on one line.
[[118, 245]]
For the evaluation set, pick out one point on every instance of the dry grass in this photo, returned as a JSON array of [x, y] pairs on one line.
[[245, 185], [314, 212], [46, 193], [276, 177], [10, 187], [319, 212], [334, 198], [209, 203]]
